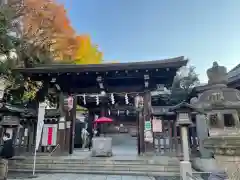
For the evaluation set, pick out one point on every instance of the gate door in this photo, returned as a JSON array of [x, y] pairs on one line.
[[168, 141]]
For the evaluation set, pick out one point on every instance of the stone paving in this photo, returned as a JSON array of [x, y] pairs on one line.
[[82, 177]]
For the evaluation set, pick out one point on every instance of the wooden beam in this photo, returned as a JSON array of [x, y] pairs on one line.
[[114, 89]]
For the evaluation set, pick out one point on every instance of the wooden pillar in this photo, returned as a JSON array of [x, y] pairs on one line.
[[26, 135], [61, 136], [103, 127], [70, 120], [91, 117], [67, 131], [72, 125], [147, 117], [138, 133], [102, 111], [141, 132], [32, 132], [62, 128]]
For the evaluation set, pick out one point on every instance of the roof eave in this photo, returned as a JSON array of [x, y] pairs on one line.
[[166, 63]]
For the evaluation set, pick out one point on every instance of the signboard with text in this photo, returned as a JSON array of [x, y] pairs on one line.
[[148, 126], [157, 125]]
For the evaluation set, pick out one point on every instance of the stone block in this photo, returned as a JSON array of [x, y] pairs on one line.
[[185, 169], [205, 165], [227, 154], [102, 146], [230, 164], [3, 169]]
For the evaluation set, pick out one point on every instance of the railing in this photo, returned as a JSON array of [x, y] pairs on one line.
[[58, 145]]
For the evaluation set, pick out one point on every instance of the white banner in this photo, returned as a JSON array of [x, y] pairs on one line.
[[49, 136], [40, 123]]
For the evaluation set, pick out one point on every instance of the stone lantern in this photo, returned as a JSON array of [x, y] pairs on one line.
[[220, 102], [183, 111]]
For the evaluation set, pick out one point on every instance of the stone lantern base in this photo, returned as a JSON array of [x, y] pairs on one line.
[[3, 169], [227, 154]]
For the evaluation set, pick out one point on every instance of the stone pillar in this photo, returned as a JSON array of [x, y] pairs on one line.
[[183, 120], [3, 169], [185, 145], [227, 154], [202, 133], [220, 119]]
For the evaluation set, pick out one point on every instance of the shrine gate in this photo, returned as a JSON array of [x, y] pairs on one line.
[[106, 87]]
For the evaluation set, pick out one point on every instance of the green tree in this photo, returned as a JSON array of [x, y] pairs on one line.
[[16, 51], [184, 81]]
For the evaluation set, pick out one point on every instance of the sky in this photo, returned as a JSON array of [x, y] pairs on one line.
[[203, 31]]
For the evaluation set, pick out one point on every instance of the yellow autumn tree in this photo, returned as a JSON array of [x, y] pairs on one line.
[[45, 23], [87, 53]]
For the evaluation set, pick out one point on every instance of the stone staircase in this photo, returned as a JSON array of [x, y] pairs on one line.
[[161, 166]]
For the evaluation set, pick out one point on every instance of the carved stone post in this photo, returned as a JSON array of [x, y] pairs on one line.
[[183, 111], [227, 153]]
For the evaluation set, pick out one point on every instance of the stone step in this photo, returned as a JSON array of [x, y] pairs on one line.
[[117, 169], [96, 167], [99, 172], [99, 165], [100, 161]]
